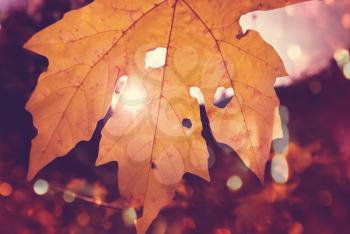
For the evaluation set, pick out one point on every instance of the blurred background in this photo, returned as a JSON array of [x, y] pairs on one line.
[[307, 184]]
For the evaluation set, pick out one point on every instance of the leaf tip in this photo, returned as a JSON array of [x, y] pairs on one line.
[[30, 175], [261, 176], [283, 72], [30, 44], [99, 161], [27, 45], [206, 176], [141, 226]]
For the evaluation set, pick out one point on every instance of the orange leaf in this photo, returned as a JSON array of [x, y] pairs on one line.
[[202, 45]]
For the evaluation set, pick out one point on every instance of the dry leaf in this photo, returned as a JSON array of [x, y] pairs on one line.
[[203, 46]]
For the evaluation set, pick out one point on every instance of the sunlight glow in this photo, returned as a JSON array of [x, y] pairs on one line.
[[294, 52], [133, 98], [155, 58]]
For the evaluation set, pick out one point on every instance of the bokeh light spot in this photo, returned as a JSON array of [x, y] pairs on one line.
[[346, 71], [315, 87], [234, 183], [5, 189], [341, 57], [129, 216], [68, 196], [296, 228], [346, 21], [98, 201], [41, 187], [279, 169], [83, 219]]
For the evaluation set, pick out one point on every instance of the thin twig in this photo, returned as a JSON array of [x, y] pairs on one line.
[[120, 204]]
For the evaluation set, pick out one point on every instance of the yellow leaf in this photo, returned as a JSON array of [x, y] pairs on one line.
[[202, 46]]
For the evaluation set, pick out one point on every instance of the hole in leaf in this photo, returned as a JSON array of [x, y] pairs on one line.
[[153, 166], [121, 82], [196, 93], [155, 58], [223, 97], [242, 34], [187, 123], [246, 23]]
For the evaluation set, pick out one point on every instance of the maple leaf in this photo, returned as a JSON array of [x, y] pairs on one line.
[[90, 48]]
